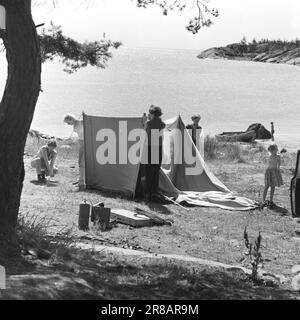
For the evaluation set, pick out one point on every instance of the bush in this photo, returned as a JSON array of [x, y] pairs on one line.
[[223, 150], [210, 147], [233, 152], [34, 238]]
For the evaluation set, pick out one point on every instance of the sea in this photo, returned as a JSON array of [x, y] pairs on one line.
[[229, 95]]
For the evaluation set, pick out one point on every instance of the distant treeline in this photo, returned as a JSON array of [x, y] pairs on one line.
[[263, 46]]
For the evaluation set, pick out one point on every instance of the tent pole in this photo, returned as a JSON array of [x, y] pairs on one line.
[[84, 146]]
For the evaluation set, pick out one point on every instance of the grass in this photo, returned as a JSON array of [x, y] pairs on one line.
[[207, 233], [98, 276], [70, 273], [229, 151], [210, 147], [34, 236]]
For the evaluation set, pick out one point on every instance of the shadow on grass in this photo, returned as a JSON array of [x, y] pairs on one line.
[[45, 184], [106, 194], [281, 210], [96, 276], [159, 208], [155, 206]]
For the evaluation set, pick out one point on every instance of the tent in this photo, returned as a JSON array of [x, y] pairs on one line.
[[110, 141]]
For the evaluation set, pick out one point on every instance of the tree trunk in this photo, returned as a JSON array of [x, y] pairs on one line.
[[16, 112]]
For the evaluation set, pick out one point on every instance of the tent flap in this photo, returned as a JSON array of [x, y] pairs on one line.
[[110, 176]]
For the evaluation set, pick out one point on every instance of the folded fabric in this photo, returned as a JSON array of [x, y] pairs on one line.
[[216, 199]]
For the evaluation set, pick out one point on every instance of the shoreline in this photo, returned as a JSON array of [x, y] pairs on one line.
[[245, 59], [263, 51], [291, 146]]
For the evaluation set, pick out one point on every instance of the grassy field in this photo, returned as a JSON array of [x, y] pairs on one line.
[[207, 233]]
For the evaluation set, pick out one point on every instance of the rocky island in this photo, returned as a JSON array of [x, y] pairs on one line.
[[275, 51]]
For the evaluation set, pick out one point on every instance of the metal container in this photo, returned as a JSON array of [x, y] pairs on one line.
[[101, 217], [84, 216]]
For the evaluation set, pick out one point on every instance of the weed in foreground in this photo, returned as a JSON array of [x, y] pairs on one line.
[[254, 254]]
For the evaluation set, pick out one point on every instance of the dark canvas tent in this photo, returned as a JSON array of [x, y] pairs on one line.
[[295, 189], [199, 188]]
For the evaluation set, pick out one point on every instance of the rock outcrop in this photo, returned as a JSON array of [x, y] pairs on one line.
[[255, 131], [261, 54], [260, 131], [39, 135]]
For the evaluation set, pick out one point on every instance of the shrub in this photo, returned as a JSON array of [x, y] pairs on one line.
[[219, 149], [233, 152], [210, 147], [254, 254], [34, 238]]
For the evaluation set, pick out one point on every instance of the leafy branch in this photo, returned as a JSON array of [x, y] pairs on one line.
[[201, 19], [73, 54]]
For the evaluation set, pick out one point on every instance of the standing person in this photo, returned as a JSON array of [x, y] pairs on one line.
[[77, 124], [195, 129], [44, 161], [153, 129], [272, 130], [273, 176]]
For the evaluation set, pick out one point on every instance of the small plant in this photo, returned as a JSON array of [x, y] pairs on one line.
[[254, 254], [35, 239], [261, 148], [234, 152], [210, 147]]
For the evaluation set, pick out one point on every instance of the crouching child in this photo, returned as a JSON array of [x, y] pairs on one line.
[[44, 161]]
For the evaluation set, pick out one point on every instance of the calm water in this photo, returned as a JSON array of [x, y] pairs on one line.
[[229, 95]]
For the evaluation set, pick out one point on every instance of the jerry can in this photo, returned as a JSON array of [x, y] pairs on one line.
[[84, 215], [101, 216], [295, 190]]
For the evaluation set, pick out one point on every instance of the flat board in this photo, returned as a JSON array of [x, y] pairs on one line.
[[131, 218]]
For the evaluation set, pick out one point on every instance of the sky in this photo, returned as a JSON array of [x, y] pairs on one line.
[[136, 27]]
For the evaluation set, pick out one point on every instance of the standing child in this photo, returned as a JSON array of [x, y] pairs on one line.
[[195, 129], [273, 176]]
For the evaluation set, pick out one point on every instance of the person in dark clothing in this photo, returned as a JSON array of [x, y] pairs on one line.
[[154, 127], [272, 130], [195, 129]]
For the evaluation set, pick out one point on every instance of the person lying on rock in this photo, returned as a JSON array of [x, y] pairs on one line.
[[195, 129], [44, 161]]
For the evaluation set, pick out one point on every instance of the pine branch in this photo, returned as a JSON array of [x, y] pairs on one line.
[[201, 19], [73, 54]]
